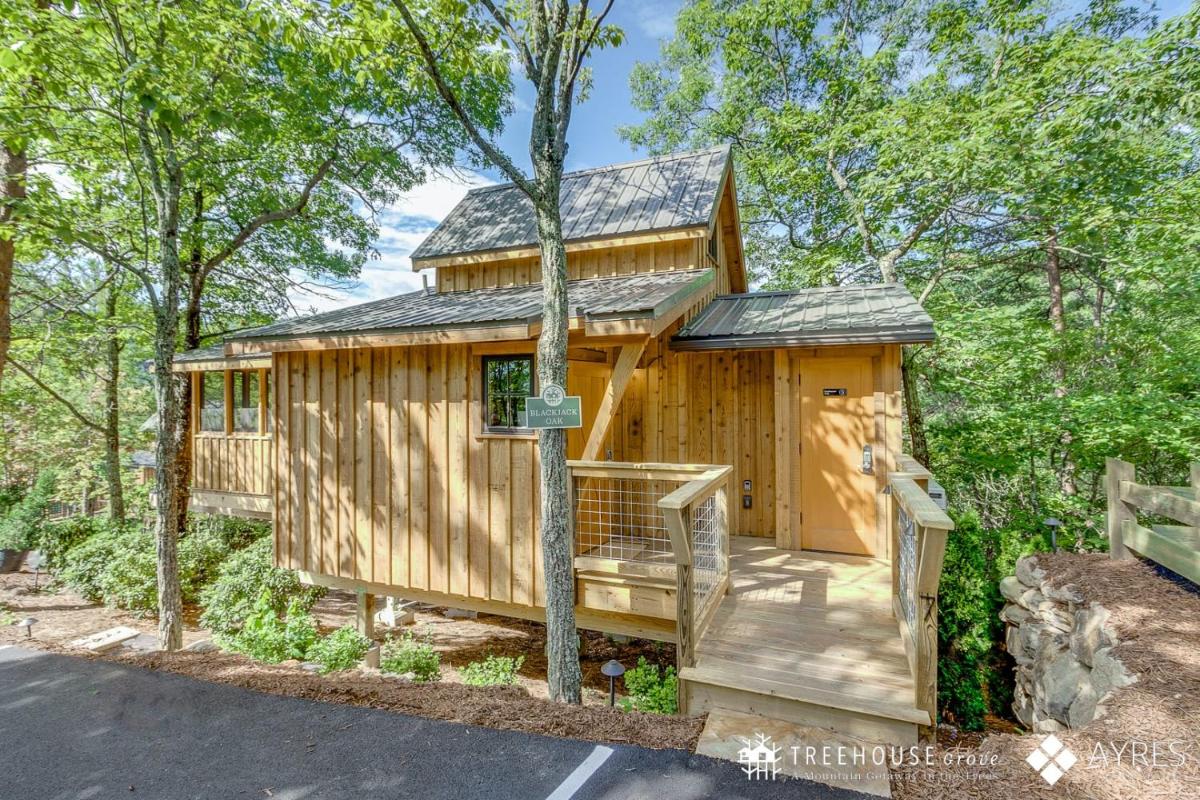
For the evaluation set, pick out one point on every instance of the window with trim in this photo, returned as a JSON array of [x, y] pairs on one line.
[[507, 382], [712, 247], [212, 402], [245, 402]]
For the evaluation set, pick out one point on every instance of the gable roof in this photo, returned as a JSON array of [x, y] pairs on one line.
[[620, 297], [654, 194], [880, 313]]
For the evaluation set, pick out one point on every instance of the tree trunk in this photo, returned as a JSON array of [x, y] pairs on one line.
[[167, 402], [191, 340], [112, 409], [562, 638], [912, 406], [12, 192], [1058, 320]]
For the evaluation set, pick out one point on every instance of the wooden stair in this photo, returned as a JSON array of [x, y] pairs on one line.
[[809, 640]]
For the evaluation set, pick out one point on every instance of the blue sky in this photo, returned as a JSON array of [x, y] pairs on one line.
[[593, 142]]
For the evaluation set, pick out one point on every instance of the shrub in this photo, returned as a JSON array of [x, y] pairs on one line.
[[21, 525], [242, 579], [342, 649], [59, 538], [651, 691], [266, 636], [493, 671], [85, 566], [406, 654]]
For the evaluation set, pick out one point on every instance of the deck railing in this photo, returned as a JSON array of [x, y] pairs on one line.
[[1176, 547], [674, 515], [919, 530]]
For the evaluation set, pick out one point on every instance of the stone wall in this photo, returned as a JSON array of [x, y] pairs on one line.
[[1063, 647]]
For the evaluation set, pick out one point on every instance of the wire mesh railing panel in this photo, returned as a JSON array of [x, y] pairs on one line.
[[907, 567], [709, 559], [619, 518]]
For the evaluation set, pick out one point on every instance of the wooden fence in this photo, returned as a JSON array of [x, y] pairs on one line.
[[1176, 547]]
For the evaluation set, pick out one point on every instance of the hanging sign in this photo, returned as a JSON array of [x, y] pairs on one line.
[[554, 409]]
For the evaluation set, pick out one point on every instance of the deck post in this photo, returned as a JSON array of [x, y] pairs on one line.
[[364, 613], [1195, 479], [1115, 471]]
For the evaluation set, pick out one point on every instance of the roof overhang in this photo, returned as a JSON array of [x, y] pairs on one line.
[[580, 326], [783, 341], [573, 246], [218, 364]]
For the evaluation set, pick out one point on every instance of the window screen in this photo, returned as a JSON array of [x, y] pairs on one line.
[[212, 402], [507, 381], [245, 402]]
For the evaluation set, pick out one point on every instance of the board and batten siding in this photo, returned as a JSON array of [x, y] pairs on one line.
[[238, 463]]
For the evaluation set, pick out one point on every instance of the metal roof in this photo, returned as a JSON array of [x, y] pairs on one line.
[[881, 313], [655, 194], [620, 297], [214, 352]]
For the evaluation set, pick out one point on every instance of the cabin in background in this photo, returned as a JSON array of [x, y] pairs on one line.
[[738, 483]]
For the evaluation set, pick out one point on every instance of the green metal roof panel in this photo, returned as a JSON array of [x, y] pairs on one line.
[[880, 313], [655, 194]]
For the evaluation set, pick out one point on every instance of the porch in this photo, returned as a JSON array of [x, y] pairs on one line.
[[820, 639]]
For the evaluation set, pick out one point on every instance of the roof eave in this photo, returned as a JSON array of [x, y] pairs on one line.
[[774, 341]]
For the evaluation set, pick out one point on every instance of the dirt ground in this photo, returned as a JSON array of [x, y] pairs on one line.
[[63, 616], [1157, 624]]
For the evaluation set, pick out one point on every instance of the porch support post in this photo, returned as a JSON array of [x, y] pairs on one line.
[[622, 372], [785, 444], [364, 613]]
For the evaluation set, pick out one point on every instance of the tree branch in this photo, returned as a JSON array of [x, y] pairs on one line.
[[75, 412]]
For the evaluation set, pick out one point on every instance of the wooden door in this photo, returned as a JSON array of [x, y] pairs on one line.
[[836, 508]]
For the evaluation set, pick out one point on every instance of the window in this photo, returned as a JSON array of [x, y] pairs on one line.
[[245, 402], [712, 247], [507, 381], [212, 402]]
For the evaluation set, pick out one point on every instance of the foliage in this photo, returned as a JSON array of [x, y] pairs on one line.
[[407, 654], [493, 671], [342, 649], [59, 538], [268, 636], [6, 616], [649, 690], [243, 579], [21, 526]]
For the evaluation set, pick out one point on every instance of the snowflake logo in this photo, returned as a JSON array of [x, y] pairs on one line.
[[759, 758], [1051, 759]]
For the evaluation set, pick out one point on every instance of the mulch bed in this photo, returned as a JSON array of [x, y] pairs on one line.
[[1157, 624]]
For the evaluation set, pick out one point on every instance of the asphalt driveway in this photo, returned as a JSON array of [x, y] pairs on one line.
[[73, 729]]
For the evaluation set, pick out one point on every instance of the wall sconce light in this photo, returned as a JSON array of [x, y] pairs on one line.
[[868, 462]]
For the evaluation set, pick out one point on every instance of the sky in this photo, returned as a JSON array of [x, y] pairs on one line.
[[592, 138]]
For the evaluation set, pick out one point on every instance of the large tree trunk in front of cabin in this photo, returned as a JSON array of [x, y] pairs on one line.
[[12, 193], [557, 518], [112, 408], [170, 417], [912, 407], [1058, 320], [191, 340]]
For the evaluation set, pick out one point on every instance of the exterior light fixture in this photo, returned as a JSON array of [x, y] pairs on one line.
[[868, 462], [27, 624], [1053, 524], [613, 670]]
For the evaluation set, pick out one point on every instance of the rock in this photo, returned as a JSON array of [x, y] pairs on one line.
[[1015, 646], [1048, 726], [1028, 571], [1060, 682], [1014, 614], [1089, 633], [1069, 593], [1031, 599], [202, 646], [371, 659], [1083, 708], [459, 613], [1023, 709], [1012, 589], [1108, 673]]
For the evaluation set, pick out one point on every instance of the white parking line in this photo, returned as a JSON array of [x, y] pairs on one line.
[[576, 779]]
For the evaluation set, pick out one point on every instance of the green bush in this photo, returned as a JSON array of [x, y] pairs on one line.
[[89, 566], [242, 579], [493, 671], [59, 538], [267, 636], [342, 649], [21, 525], [406, 654], [651, 691]]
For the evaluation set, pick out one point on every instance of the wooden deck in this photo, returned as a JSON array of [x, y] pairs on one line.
[[809, 638]]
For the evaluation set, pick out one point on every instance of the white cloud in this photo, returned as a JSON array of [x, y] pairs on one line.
[[657, 20], [402, 226]]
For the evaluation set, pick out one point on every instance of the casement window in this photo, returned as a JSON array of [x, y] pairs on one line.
[[212, 402], [507, 382]]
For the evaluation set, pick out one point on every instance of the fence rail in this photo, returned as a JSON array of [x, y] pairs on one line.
[[919, 529], [673, 515], [1176, 547]]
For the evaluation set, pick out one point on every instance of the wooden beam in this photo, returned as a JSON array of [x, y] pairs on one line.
[[622, 372], [357, 340], [1167, 501], [628, 240], [364, 613], [1116, 472], [784, 447], [213, 365]]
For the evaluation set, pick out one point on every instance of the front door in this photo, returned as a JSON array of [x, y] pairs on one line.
[[836, 511]]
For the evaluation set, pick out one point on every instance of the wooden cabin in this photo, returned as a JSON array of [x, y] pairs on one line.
[[738, 482]]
